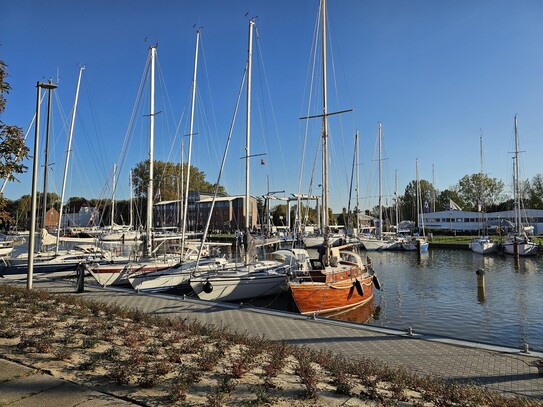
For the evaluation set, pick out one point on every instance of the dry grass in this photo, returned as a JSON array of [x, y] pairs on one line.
[[157, 361]]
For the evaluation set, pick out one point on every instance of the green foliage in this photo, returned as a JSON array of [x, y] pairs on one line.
[[167, 180], [12, 147], [478, 187], [444, 198]]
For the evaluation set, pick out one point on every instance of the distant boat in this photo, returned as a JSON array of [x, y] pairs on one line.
[[519, 242], [417, 242], [483, 245], [377, 241], [338, 279]]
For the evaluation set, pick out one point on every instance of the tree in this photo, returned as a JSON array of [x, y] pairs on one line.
[[12, 146], [535, 194], [409, 201], [444, 198], [477, 188], [167, 176]]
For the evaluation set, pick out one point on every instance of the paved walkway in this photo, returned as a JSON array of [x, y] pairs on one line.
[[504, 369]]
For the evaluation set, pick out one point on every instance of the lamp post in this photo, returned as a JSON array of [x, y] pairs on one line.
[[31, 244]]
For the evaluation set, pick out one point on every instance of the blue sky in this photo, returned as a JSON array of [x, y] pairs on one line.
[[435, 73]]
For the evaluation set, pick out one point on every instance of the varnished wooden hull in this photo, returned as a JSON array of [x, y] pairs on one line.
[[313, 297]]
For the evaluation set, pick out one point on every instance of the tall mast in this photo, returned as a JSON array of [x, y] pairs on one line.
[[396, 201], [357, 185], [248, 125], [380, 229], [149, 225], [248, 137], [130, 186], [420, 215], [68, 151], [324, 129], [113, 188], [481, 151], [517, 178], [186, 197]]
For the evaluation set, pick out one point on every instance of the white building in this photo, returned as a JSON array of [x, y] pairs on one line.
[[464, 221]]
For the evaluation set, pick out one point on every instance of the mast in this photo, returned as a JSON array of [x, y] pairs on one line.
[[396, 201], [380, 229], [351, 184], [186, 197], [356, 152], [248, 125], [130, 186], [149, 224], [113, 188], [516, 180], [70, 137], [248, 137], [420, 216], [324, 132]]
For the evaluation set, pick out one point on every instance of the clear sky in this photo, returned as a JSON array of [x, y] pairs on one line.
[[435, 73]]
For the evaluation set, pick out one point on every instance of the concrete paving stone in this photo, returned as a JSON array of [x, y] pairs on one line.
[[10, 370], [69, 395], [17, 389]]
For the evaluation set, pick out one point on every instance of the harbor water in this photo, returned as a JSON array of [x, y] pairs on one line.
[[437, 293]]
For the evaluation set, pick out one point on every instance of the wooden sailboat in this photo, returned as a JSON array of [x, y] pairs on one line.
[[519, 242], [338, 279]]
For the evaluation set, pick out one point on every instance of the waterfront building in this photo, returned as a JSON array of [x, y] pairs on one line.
[[228, 214], [491, 222]]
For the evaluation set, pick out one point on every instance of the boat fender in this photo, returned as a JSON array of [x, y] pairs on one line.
[[376, 282], [208, 287], [359, 288]]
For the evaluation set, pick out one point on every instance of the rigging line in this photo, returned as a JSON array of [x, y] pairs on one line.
[[130, 128], [312, 68], [98, 158], [268, 92], [211, 99]]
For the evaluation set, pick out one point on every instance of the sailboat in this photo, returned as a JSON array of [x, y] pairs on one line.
[[117, 273], [239, 281], [52, 262], [338, 279], [418, 242], [178, 275], [482, 244], [519, 242], [377, 242]]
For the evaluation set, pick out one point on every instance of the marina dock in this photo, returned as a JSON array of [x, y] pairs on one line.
[[511, 371]]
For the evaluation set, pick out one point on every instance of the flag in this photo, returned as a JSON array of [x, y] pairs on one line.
[[453, 206], [426, 207], [262, 162]]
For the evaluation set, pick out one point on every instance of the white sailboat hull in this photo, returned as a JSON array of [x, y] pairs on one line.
[[483, 245], [524, 249], [375, 244], [265, 278]]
